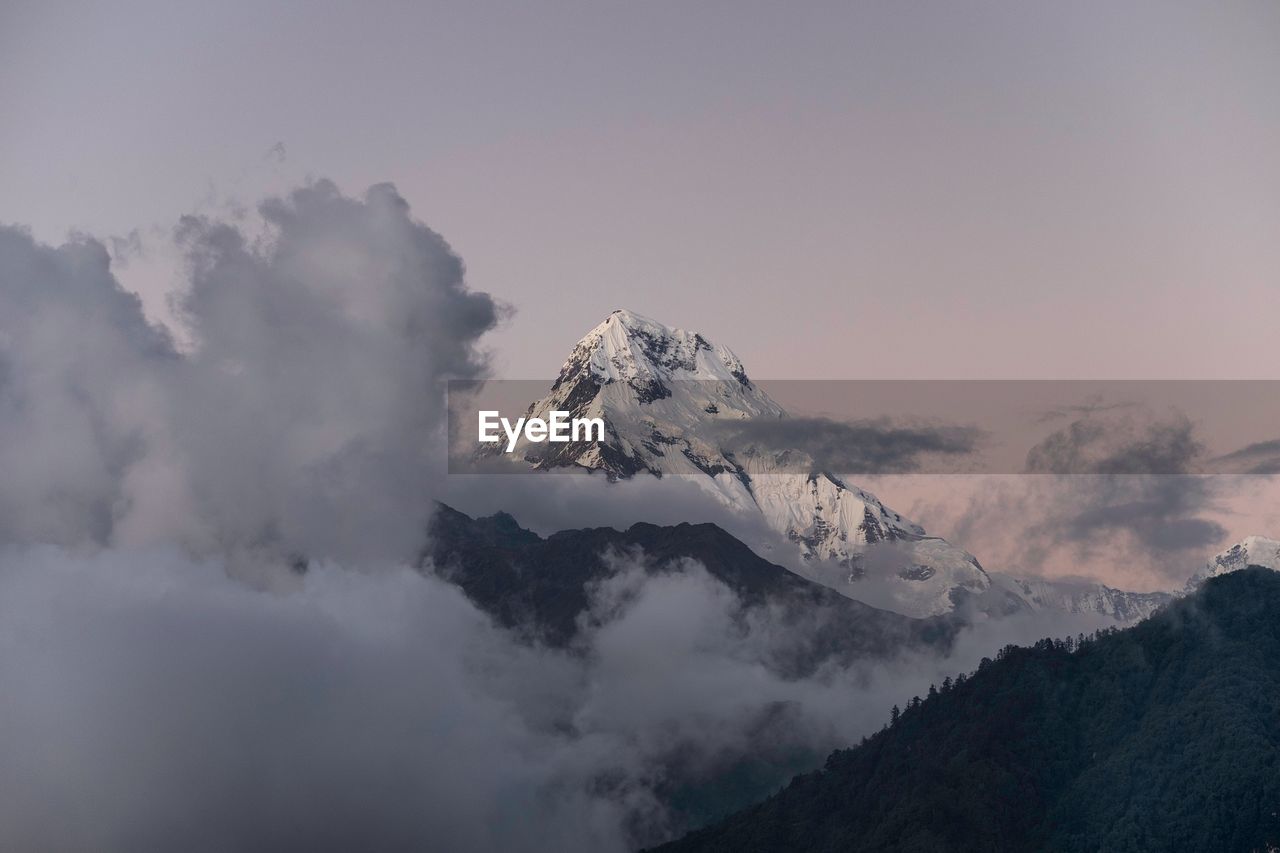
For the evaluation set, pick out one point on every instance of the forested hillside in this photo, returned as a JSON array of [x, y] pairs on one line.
[[1163, 736]]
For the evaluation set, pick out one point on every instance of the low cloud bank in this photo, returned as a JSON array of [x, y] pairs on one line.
[[153, 703]]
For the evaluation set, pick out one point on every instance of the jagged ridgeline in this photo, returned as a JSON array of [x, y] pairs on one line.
[[662, 391], [1163, 736], [541, 588], [666, 395]]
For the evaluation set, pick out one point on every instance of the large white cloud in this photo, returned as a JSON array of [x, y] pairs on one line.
[[303, 422]]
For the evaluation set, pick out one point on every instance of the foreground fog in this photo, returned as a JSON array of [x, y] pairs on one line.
[[153, 703]]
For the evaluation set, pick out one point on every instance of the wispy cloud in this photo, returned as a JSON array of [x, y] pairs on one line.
[[879, 446]]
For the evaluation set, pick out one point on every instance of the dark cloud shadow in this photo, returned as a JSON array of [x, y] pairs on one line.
[[876, 446]]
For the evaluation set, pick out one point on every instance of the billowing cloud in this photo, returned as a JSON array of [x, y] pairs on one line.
[[1116, 446], [1129, 476], [83, 378], [1116, 495], [321, 351], [303, 421]]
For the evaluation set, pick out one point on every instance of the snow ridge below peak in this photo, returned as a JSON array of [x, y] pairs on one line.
[[661, 389]]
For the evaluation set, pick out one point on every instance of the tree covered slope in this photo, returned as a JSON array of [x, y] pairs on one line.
[[1164, 736]]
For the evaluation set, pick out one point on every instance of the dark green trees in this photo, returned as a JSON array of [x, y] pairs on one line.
[[1165, 736]]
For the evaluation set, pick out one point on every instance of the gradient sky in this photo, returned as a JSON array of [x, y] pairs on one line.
[[915, 189], [927, 190]]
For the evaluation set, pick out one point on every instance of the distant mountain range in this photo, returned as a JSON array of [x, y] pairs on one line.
[[1083, 597], [663, 392], [1011, 758], [1163, 736]]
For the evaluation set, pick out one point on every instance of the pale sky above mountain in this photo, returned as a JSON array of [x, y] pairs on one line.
[[835, 190], [209, 635]]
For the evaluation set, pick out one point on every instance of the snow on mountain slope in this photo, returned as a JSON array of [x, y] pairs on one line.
[[1122, 606], [1083, 597], [655, 388], [1250, 551], [660, 391]]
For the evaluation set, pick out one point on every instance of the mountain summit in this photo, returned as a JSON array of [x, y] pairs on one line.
[[655, 387], [661, 391]]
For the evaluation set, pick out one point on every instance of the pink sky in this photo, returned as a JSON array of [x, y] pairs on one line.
[[926, 190]]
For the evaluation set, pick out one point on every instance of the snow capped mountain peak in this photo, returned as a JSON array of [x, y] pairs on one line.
[[1250, 551], [628, 347], [660, 391], [657, 388]]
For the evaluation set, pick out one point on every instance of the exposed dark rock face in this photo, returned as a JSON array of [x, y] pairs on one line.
[[541, 588]]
